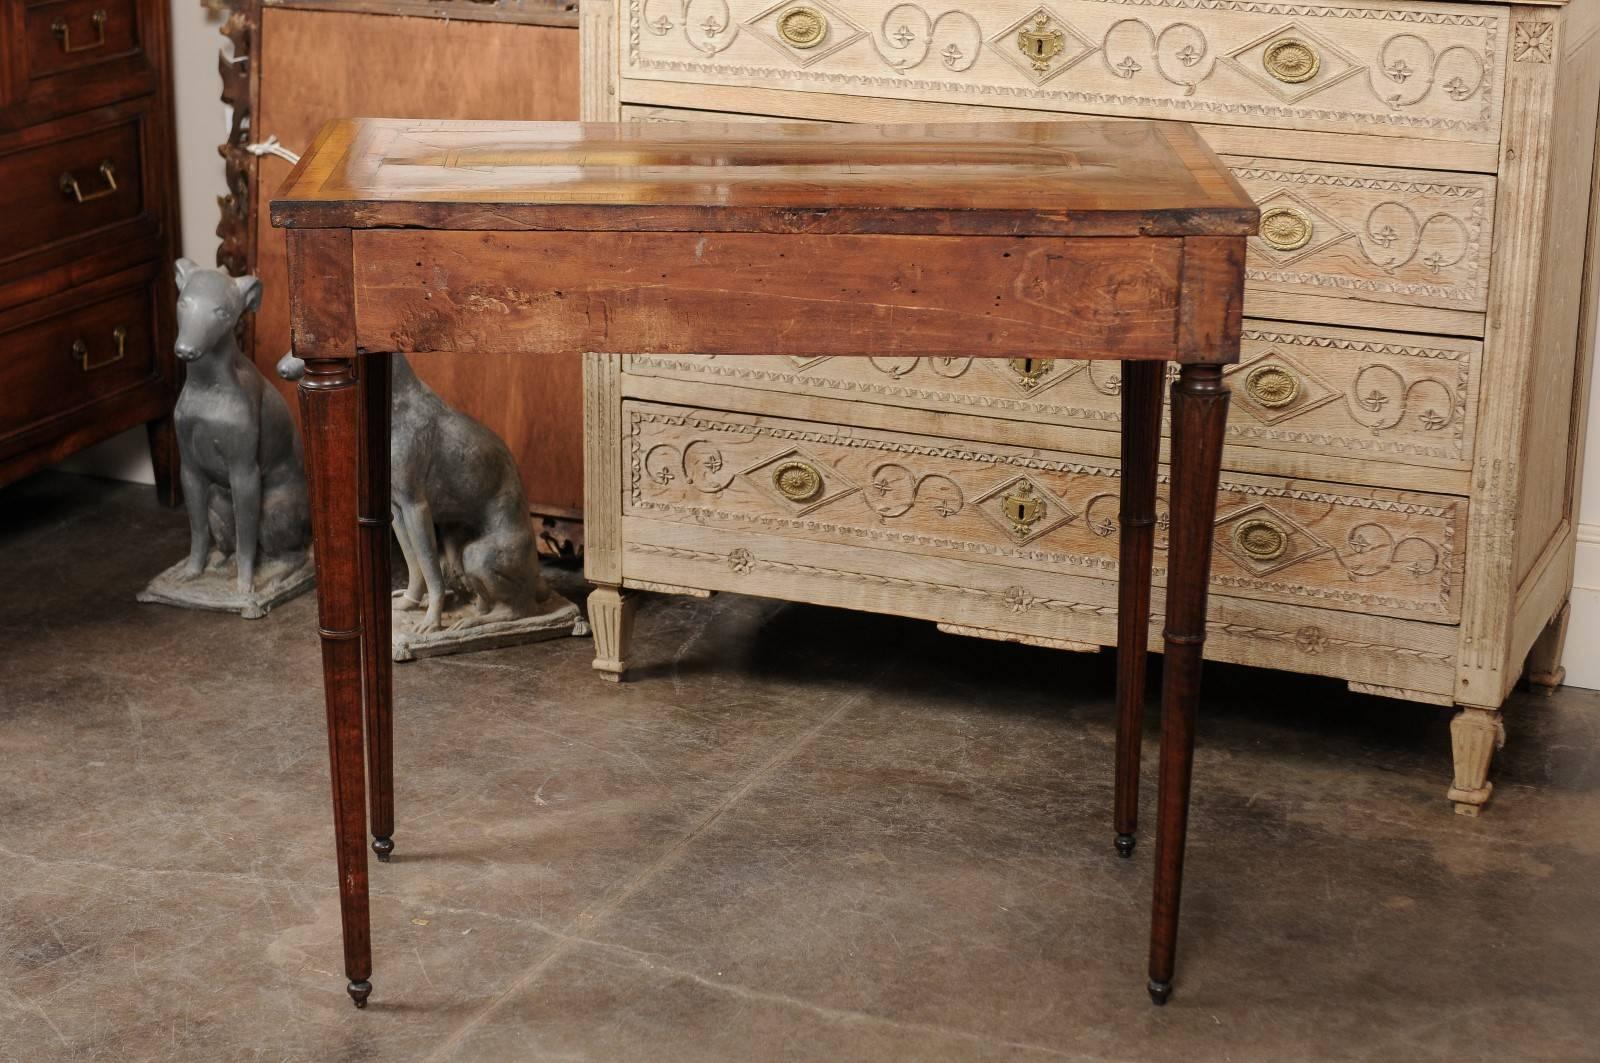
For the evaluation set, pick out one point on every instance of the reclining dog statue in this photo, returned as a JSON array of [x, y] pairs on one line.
[[243, 476], [472, 564]]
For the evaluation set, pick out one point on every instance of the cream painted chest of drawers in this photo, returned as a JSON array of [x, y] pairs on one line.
[[1397, 498]]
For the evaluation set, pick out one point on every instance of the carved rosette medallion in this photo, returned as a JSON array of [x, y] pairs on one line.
[[1263, 541], [1272, 386], [1286, 228], [1292, 63], [805, 34], [797, 481]]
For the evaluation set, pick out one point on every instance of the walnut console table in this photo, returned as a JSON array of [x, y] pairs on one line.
[[1096, 240]]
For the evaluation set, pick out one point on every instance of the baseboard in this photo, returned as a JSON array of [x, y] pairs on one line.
[[1583, 630]]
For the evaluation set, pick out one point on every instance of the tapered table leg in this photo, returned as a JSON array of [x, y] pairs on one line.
[[1199, 420], [1141, 451], [322, 298], [377, 678]]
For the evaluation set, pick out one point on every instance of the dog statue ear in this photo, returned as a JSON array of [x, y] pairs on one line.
[[250, 289], [182, 269]]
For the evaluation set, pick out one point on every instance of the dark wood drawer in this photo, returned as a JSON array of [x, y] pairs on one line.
[[68, 188], [75, 357], [62, 56], [64, 35]]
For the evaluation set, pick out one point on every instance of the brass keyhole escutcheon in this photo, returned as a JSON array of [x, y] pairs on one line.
[[1022, 509], [1291, 61], [1272, 386], [1040, 43], [1285, 228], [798, 481], [1031, 370], [1260, 540], [802, 27]]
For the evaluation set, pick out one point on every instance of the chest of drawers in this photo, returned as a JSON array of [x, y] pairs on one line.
[[88, 232], [1398, 489]]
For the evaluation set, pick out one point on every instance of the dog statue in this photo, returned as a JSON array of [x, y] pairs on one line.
[[472, 564], [243, 475]]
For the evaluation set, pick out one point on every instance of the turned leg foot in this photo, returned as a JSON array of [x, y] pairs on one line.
[[611, 616], [359, 992], [1125, 844], [1475, 734], [383, 848], [1160, 992]]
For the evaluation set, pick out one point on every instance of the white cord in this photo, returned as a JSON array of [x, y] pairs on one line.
[[270, 146]]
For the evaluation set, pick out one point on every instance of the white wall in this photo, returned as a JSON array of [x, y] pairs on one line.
[[202, 124], [1583, 633]]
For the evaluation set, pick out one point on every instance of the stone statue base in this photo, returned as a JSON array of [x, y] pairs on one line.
[[217, 589], [557, 620]]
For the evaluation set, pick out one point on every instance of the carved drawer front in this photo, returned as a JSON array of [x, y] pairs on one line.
[[1410, 69], [1331, 545], [1388, 396], [71, 187], [1414, 237], [1396, 236], [77, 357]]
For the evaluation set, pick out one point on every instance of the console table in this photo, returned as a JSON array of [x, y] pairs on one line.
[[1095, 240]]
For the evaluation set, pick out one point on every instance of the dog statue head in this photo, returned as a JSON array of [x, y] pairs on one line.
[[210, 304]]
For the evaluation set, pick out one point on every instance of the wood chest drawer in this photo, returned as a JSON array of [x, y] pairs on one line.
[[70, 187], [1414, 69], [1390, 397], [66, 55], [77, 356], [1338, 547], [1409, 237]]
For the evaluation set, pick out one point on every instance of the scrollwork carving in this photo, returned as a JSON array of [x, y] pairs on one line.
[[1411, 68], [1393, 225], [1184, 42], [908, 29], [895, 491], [1372, 550], [1380, 398], [708, 26]]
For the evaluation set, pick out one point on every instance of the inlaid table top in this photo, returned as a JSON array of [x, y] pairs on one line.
[[1093, 239], [1087, 178]]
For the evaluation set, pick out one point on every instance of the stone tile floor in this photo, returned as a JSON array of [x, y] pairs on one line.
[[799, 834]]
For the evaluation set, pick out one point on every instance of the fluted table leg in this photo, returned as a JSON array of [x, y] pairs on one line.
[[330, 407], [1199, 421], [1141, 452], [376, 657]]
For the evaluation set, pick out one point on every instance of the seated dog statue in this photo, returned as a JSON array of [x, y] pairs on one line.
[[462, 521], [243, 476]]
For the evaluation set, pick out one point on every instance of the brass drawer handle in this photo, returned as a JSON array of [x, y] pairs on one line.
[[70, 187], [1291, 61], [1285, 228], [1272, 386], [802, 27], [798, 481], [80, 350], [64, 33], [1260, 540]]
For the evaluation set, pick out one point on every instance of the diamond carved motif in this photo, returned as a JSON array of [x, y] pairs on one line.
[[1277, 388], [1024, 509], [1042, 45], [1327, 65], [1263, 541], [836, 32], [786, 478], [1323, 232], [1030, 376]]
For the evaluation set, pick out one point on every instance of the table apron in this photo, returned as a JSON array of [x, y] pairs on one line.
[[806, 295]]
